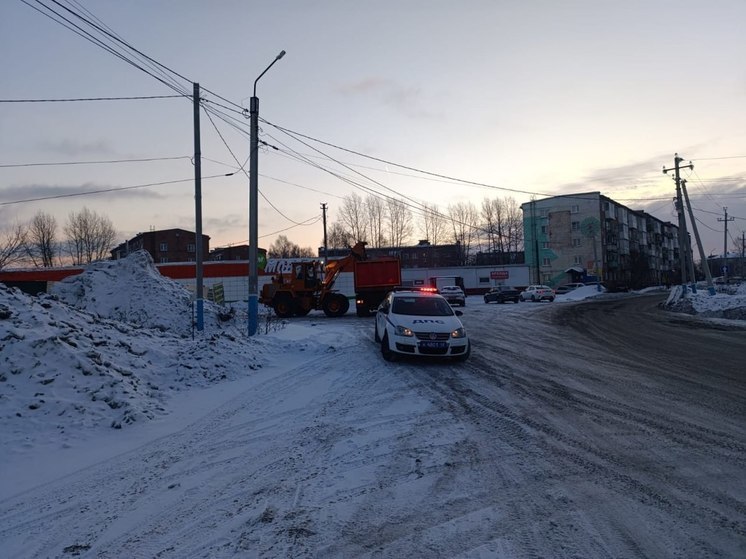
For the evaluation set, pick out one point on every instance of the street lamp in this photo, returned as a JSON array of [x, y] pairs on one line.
[[253, 201]]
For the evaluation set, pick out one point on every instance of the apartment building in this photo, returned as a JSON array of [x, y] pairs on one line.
[[590, 237]]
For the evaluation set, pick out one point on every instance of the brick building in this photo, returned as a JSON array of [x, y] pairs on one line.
[[166, 245]]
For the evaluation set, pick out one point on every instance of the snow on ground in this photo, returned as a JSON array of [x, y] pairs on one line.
[[107, 363]]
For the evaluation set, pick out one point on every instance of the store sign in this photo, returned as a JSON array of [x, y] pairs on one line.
[[499, 274]]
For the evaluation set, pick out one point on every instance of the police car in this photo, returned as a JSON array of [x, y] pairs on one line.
[[420, 322]]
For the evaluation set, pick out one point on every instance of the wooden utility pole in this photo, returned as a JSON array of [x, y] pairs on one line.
[[703, 259], [725, 220], [680, 212], [326, 248]]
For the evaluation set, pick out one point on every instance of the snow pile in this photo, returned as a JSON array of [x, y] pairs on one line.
[[581, 293], [132, 290], [729, 304], [66, 369]]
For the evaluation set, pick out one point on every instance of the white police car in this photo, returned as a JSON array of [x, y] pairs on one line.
[[413, 322]]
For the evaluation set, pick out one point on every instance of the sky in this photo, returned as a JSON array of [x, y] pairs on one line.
[[415, 100], [125, 436]]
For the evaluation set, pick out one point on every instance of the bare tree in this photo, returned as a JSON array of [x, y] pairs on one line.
[[90, 236], [399, 221], [353, 218], [433, 224], [41, 245], [12, 245], [513, 225], [376, 218], [339, 237], [464, 219], [285, 248]]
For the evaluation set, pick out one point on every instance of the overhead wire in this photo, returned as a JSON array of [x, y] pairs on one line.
[[89, 37], [104, 190], [133, 98], [110, 161], [242, 168]]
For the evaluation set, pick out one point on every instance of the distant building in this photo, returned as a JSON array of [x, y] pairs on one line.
[[167, 245], [224, 254], [587, 237]]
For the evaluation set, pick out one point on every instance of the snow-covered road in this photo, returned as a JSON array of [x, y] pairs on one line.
[[547, 442]]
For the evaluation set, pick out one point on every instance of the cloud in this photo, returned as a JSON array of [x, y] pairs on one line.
[[72, 147], [406, 100]]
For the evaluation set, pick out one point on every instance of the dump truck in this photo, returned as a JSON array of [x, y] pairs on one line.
[[310, 285], [373, 280]]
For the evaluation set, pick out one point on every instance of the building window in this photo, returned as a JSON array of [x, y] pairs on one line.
[[544, 212], [191, 247], [543, 229], [575, 226], [545, 244], [484, 280], [546, 278], [164, 247], [578, 260], [164, 259], [576, 242], [546, 262], [574, 209]]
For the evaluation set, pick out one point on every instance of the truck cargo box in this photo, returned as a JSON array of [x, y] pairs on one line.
[[378, 273]]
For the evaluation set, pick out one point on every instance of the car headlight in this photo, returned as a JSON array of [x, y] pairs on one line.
[[458, 333], [404, 331]]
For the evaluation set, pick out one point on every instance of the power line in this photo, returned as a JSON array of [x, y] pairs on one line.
[[291, 133], [101, 191], [61, 163], [138, 97], [97, 41]]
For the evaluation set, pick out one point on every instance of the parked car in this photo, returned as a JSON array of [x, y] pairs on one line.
[[420, 323], [502, 293], [537, 293], [453, 294], [562, 289]]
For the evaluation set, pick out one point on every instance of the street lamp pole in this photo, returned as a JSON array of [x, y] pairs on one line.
[[253, 202]]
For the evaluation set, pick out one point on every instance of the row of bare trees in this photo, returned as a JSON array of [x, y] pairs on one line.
[[88, 237], [496, 226]]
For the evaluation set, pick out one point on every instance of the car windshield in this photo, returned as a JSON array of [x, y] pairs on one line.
[[421, 306]]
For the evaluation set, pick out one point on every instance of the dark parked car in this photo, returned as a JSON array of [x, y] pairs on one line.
[[502, 293]]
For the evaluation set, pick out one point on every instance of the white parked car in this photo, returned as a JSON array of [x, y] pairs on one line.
[[453, 294], [420, 323], [537, 293]]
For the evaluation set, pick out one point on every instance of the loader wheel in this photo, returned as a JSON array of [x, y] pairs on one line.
[[335, 305], [283, 307], [299, 310]]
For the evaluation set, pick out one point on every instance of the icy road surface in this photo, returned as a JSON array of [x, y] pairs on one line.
[[598, 429]]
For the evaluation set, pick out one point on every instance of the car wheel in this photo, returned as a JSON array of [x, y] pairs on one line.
[[533, 298], [386, 352], [551, 299], [485, 300]]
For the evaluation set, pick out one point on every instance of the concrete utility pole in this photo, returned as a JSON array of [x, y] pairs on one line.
[[326, 248], [705, 264], [725, 220], [253, 203], [198, 212], [680, 213]]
